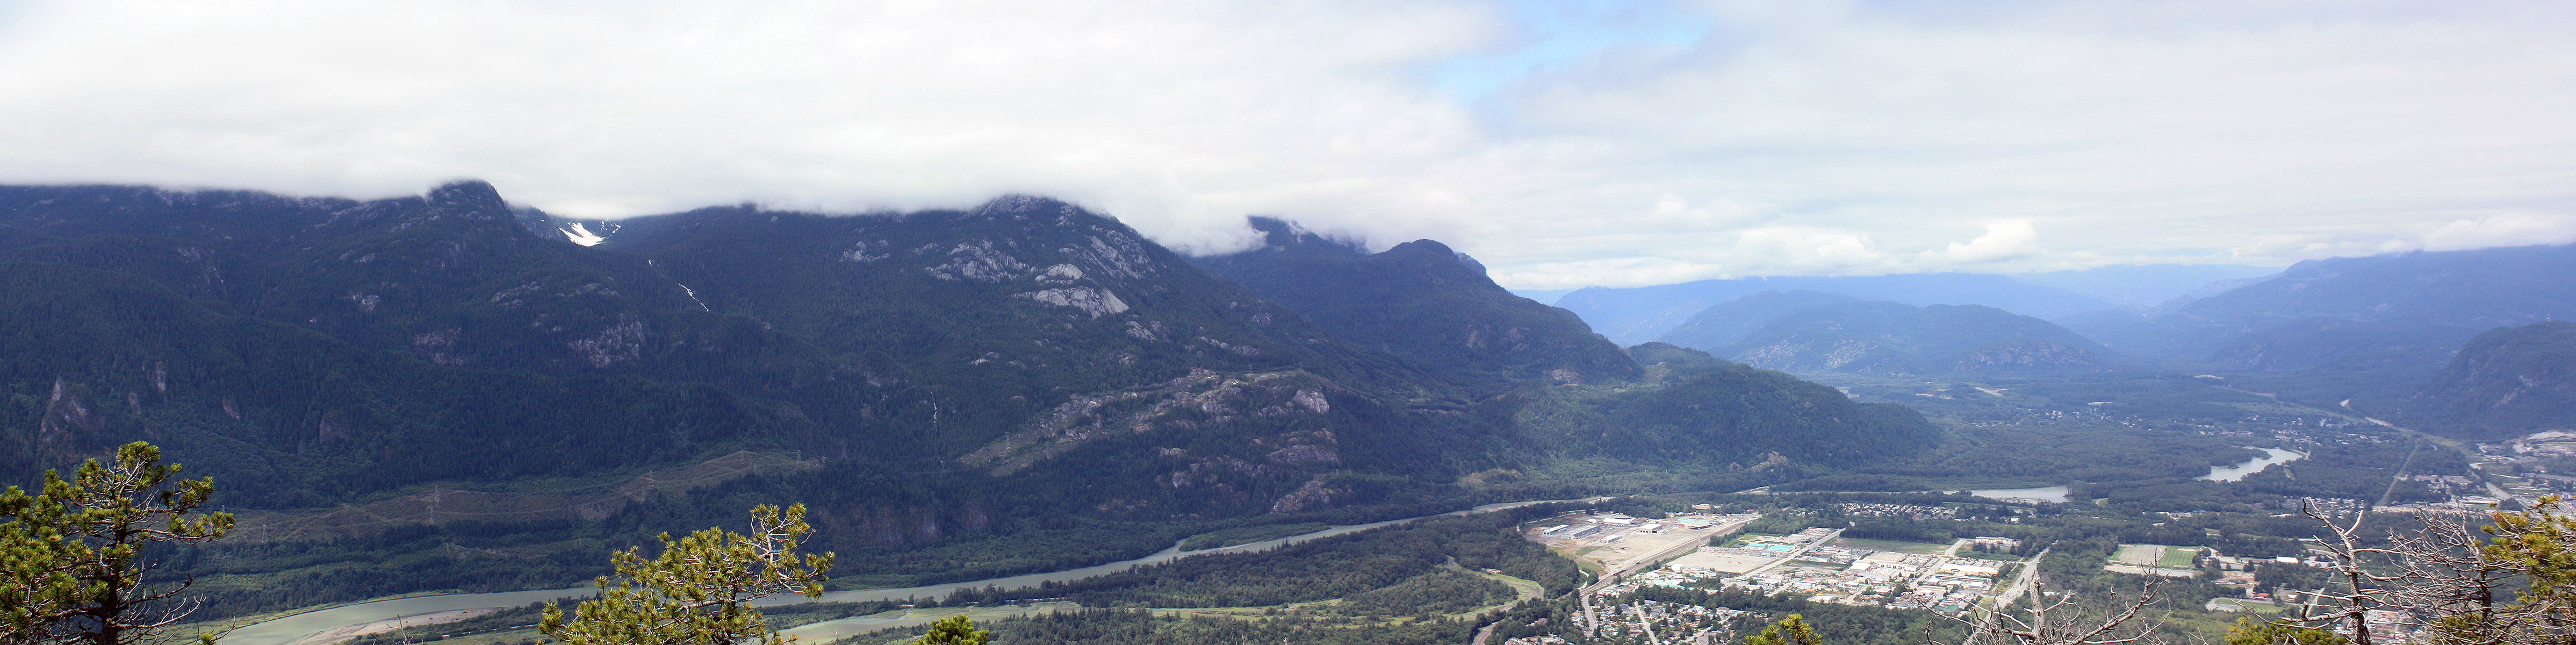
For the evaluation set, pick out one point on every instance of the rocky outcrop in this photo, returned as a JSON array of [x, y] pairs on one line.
[[1097, 302], [1202, 399]]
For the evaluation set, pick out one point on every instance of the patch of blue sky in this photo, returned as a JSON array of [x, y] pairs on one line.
[[1552, 35]]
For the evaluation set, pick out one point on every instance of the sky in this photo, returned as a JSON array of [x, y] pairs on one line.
[[1564, 144]]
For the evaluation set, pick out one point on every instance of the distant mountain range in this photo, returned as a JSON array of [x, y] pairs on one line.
[[2407, 308], [1629, 316], [1807, 332], [2375, 333], [2150, 286]]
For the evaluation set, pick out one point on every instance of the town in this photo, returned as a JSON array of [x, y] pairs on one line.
[[1820, 563]]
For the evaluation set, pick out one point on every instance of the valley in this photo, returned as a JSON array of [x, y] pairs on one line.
[[428, 412], [1684, 564]]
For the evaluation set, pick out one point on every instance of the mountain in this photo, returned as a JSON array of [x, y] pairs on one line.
[[922, 380], [448, 392], [1806, 331], [1704, 402], [1422, 301], [320, 350], [2420, 304], [2144, 286], [1634, 315], [2506, 382], [1724, 324]]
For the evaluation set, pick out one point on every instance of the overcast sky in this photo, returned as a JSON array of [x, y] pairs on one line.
[[1564, 143]]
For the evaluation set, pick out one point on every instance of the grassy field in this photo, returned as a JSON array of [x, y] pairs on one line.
[[1742, 539], [1917, 548], [2178, 558], [2139, 554]]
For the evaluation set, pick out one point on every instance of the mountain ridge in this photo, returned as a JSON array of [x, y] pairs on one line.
[[1424, 301], [1807, 331], [2505, 382], [1635, 315]]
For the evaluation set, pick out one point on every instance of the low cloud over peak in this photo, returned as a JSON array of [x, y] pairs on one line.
[[1629, 143]]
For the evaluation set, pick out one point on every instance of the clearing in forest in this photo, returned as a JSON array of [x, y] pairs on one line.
[[2144, 555]]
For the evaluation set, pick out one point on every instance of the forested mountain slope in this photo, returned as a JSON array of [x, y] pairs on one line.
[[1702, 402], [435, 338], [1422, 301], [953, 372], [2506, 382], [313, 349], [1724, 324]]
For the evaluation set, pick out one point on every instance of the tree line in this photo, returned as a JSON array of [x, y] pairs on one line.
[[75, 567]]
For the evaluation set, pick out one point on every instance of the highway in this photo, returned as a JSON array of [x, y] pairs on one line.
[[2021, 583], [1829, 537]]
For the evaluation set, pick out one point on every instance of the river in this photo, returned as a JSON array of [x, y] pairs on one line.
[[289, 630], [2227, 473]]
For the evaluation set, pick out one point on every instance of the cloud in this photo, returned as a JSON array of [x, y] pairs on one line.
[[1624, 143], [2006, 240], [2503, 229]]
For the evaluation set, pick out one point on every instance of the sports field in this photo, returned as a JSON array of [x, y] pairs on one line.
[[2178, 557], [2144, 555]]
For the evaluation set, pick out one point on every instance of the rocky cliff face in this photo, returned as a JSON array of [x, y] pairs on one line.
[[1425, 302]]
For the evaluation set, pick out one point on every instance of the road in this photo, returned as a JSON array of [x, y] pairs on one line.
[[2011, 594], [1670, 551], [1829, 537], [1591, 617], [2021, 583], [1942, 559]]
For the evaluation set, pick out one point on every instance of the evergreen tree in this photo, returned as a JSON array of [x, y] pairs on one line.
[[1789, 631], [954, 630], [72, 566], [698, 591]]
